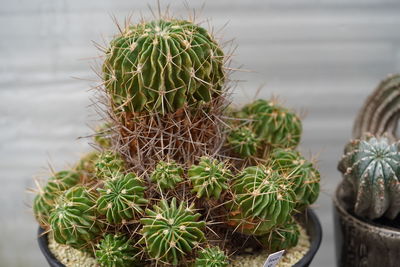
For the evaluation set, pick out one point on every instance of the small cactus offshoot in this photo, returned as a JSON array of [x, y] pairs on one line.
[[121, 198], [167, 174], [74, 220], [263, 198], [273, 124], [116, 251], [171, 230], [108, 165], [243, 141], [209, 177], [211, 257], [371, 174], [282, 237]]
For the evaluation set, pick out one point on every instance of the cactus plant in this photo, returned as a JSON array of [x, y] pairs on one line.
[[74, 220], [283, 237], [371, 174], [303, 176], [209, 178], [108, 165], [121, 198], [178, 175], [262, 198], [162, 65], [116, 251], [167, 174], [171, 230], [211, 257], [273, 124], [243, 141]]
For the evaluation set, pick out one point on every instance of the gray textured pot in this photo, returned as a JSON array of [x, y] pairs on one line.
[[360, 243]]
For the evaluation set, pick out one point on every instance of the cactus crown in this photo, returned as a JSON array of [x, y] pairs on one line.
[[171, 230], [371, 170], [209, 178], [162, 65], [108, 165], [243, 141]]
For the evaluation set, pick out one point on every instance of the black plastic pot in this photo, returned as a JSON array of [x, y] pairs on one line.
[[361, 243], [309, 219]]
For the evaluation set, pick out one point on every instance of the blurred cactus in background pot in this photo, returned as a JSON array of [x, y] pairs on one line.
[[178, 176]]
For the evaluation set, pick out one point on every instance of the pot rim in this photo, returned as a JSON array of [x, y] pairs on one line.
[[313, 228], [369, 225]]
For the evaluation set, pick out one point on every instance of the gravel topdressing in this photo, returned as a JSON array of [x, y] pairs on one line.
[[71, 257]]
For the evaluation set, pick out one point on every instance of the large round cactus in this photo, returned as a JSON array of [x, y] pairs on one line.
[[116, 251], [122, 198], [371, 173], [209, 178], [304, 178], [211, 257], [170, 231], [273, 124], [262, 199], [167, 174], [73, 220], [163, 65]]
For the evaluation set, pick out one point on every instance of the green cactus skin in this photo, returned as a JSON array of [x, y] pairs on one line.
[[116, 251], [370, 168], [122, 198], [167, 174], [163, 65], [243, 141], [73, 220], [108, 165], [101, 137], [283, 237], [273, 124], [263, 199], [211, 257], [56, 185], [303, 176], [209, 178], [171, 231]]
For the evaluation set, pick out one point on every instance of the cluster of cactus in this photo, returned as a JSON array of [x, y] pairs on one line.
[[179, 210], [371, 161]]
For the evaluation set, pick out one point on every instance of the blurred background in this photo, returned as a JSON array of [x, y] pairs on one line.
[[322, 56]]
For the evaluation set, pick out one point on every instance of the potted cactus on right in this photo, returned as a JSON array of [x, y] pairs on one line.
[[367, 202], [179, 177]]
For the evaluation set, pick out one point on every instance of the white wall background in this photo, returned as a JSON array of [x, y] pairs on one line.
[[321, 55]]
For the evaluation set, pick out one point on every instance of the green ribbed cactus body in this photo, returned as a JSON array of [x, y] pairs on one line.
[[116, 251], [43, 203], [211, 257], [209, 177], [283, 237], [87, 163], [263, 199], [73, 220], [273, 124], [122, 198], [170, 231], [243, 141], [109, 165], [303, 176], [167, 174], [371, 174], [163, 65]]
